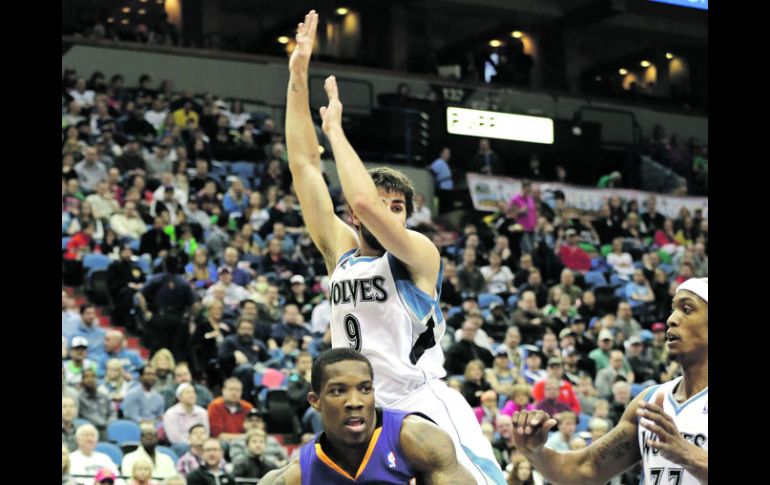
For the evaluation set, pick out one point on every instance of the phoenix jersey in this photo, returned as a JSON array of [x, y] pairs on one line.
[[379, 311], [691, 419], [384, 462]]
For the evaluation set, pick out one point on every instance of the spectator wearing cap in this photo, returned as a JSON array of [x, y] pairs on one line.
[[163, 465], [501, 377], [465, 350], [105, 476], [659, 347], [74, 367], [570, 253], [533, 370], [142, 402], [300, 296], [90, 330], [601, 354], [182, 375], [178, 419], [531, 321], [225, 290], [641, 365], [555, 370], [615, 371], [274, 451], [497, 322]]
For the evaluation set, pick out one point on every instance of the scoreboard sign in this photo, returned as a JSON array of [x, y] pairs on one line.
[[502, 126]]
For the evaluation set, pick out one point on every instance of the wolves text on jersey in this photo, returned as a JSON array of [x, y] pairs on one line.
[[697, 439], [359, 289]]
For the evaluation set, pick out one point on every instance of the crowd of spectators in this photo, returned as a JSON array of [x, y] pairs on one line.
[[209, 264], [688, 158]]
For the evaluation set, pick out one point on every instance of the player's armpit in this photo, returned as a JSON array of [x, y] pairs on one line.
[[289, 474], [432, 453]]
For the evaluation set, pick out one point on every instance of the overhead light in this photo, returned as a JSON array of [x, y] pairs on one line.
[[622, 71], [342, 11], [495, 43], [125, 9], [283, 39], [669, 55], [598, 78], [143, 1], [124, 21], [645, 63], [141, 11], [110, 20], [516, 34]]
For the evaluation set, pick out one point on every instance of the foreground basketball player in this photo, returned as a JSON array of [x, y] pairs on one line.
[[385, 279], [666, 426], [364, 444]]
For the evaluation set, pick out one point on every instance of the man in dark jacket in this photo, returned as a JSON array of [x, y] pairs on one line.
[[211, 472], [465, 350]]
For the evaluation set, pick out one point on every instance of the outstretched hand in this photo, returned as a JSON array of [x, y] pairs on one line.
[[331, 114], [669, 441], [530, 430], [300, 58]]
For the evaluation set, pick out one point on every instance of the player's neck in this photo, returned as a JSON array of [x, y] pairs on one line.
[[696, 378], [366, 250], [346, 457]]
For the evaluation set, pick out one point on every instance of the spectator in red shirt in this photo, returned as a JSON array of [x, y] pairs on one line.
[[571, 254], [567, 395], [226, 413]]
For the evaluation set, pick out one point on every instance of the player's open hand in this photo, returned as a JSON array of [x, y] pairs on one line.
[[530, 430], [305, 37], [671, 444], [331, 113]]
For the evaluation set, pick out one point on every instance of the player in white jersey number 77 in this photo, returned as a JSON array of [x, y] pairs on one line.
[[665, 426], [384, 278]]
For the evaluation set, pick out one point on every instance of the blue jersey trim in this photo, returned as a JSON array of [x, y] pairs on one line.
[[650, 392], [489, 469], [677, 408], [419, 302]]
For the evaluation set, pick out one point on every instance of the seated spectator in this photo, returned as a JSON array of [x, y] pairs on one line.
[[238, 353], [421, 214], [91, 330], [164, 363], [571, 254], [534, 283], [182, 375], [210, 331], [114, 345], [211, 470], [103, 202], [519, 400], [621, 397], [274, 452], [498, 278], [487, 410], [531, 322], [73, 368], [65, 466], [94, 405], [625, 323], [505, 445], [193, 458], [125, 279], [501, 377], [230, 259], [200, 272], [142, 402], [180, 417], [474, 384], [533, 371], [469, 276], [620, 261], [115, 385], [227, 413], [231, 294], [69, 412], [254, 464], [293, 325], [465, 349], [560, 441], [141, 473], [568, 286], [639, 293], [550, 403], [163, 465], [86, 460], [566, 394]]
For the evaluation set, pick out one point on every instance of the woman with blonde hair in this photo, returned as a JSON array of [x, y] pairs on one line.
[[115, 385], [141, 473], [475, 384], [65, 466], [164, 363]]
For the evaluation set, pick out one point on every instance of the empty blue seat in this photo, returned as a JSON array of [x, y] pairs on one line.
[[112, 450], [244, 170], [123, 430], [486, 299], [595, 278], [582, 424]]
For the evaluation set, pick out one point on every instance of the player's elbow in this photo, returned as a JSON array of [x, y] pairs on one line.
[[362, 206]]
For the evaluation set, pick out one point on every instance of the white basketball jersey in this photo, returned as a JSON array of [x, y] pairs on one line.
[[691, 418], [378, 310]]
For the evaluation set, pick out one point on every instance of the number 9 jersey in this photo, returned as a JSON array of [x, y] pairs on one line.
[[378, 310]]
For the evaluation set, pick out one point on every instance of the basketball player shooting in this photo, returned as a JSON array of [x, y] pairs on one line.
[[385, 279], [665, 426]]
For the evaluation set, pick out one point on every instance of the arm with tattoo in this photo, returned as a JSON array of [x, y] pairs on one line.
[[431, 452]]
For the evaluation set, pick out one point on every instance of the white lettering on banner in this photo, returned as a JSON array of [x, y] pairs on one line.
[[487, 192]]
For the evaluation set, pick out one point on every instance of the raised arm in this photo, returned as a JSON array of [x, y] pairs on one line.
[[432, 453], [412, 248], [611, 455], [330, 234]]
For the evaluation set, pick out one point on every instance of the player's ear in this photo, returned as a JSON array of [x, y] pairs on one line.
[[314, 400]]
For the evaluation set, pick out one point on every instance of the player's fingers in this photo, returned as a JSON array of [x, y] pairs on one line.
[[658, 445], [659, 417], [521, 421], [331, 88], [322, 111], [653, 427], [535, 419], [313, 24]]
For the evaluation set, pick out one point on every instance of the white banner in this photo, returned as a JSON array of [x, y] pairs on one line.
[[487, 192]]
